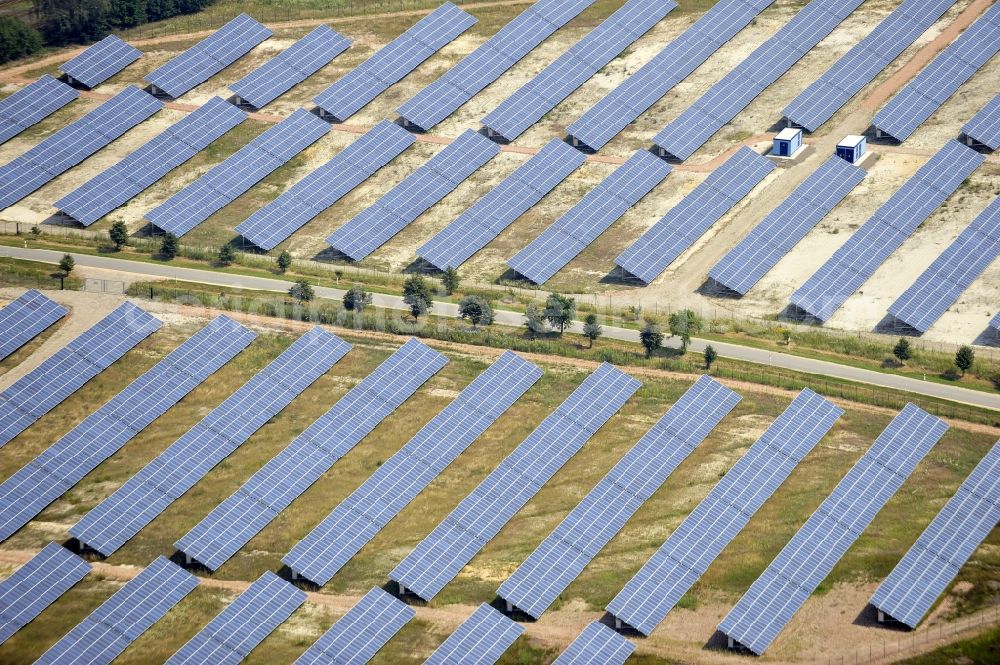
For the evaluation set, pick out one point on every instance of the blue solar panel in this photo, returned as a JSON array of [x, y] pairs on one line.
[[485, 65], [122, 619], [785, 226], [132, 175], [669, 67], [439, 557], [939, 80], [273, 488], [377, 224], [31, 104], [995, 323], [45, 478], [227, 181], [814, 550], [480, 640], [278, 220], [927, 569], [101, 61], [674, 568], [290, 67], [36, 585], [952, 272], [885, 231], [64, 372], [574, 67], [601, 207], [859, 66], [690, 219], [242, 625], [208, 57], [983, 128], [74, 143], [178, 468], [25, 317], [493, 213], [397, 59], [596, 645], [563, 555], [359, 634], [682, 137], [370, 508]]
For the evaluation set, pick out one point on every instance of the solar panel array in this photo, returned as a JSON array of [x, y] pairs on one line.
[[130, 176], [243, 624], [951, 273], [118, 518], [938, 81], [563, 555], [885, 231], [690, 219], [31, 104], [209, 56], [291, 472], [291, 67], [321, 188], [377, 224], [601, 207], [682, 137], [25, 317], [995, 323], [65, 371], [439, 557], [596, 645], [101, 61], [101, 434], [859, 66], [122, 619], [650, 595], [227, 181], [358, 635], [393, 62], [613, 113], [370, 508], [937, 556], [815, 549], [36, 585], [493, 213], [485, 65], [984, 126], [481, 639], [74, 143], [544, 92], [786, 226]]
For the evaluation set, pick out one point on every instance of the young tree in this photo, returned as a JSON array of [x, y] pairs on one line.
[[651, 337], [227, 254], [417, 294], [683, 324], [66, 264], [302, 291], [902, 350], [36, 230], [356, 299], [559, 311], [450, 280], [710, 356], [338, 274], [592, 329], [284, 261], [169, 248], [477, 310], [534, 319], [965, 358], [119, 235]]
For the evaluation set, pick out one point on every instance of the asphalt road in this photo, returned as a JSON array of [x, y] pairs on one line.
[[725, 350]]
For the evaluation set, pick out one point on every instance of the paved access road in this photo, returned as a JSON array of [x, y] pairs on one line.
[[725, 350]]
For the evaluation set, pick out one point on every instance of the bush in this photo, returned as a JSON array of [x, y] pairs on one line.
[[227, 254], [118, 234], [17, 39], [169, 247], [66, 264], [284, 261], [356, 299], [302, 291]]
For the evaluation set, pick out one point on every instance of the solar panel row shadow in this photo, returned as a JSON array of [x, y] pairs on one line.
[[31, 104], [983, 128], [596, 645], [673, 569], [25, 317], [99, 436], [101, 61], [270, 490], [481, 639], [636, 94], [767, 607]]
